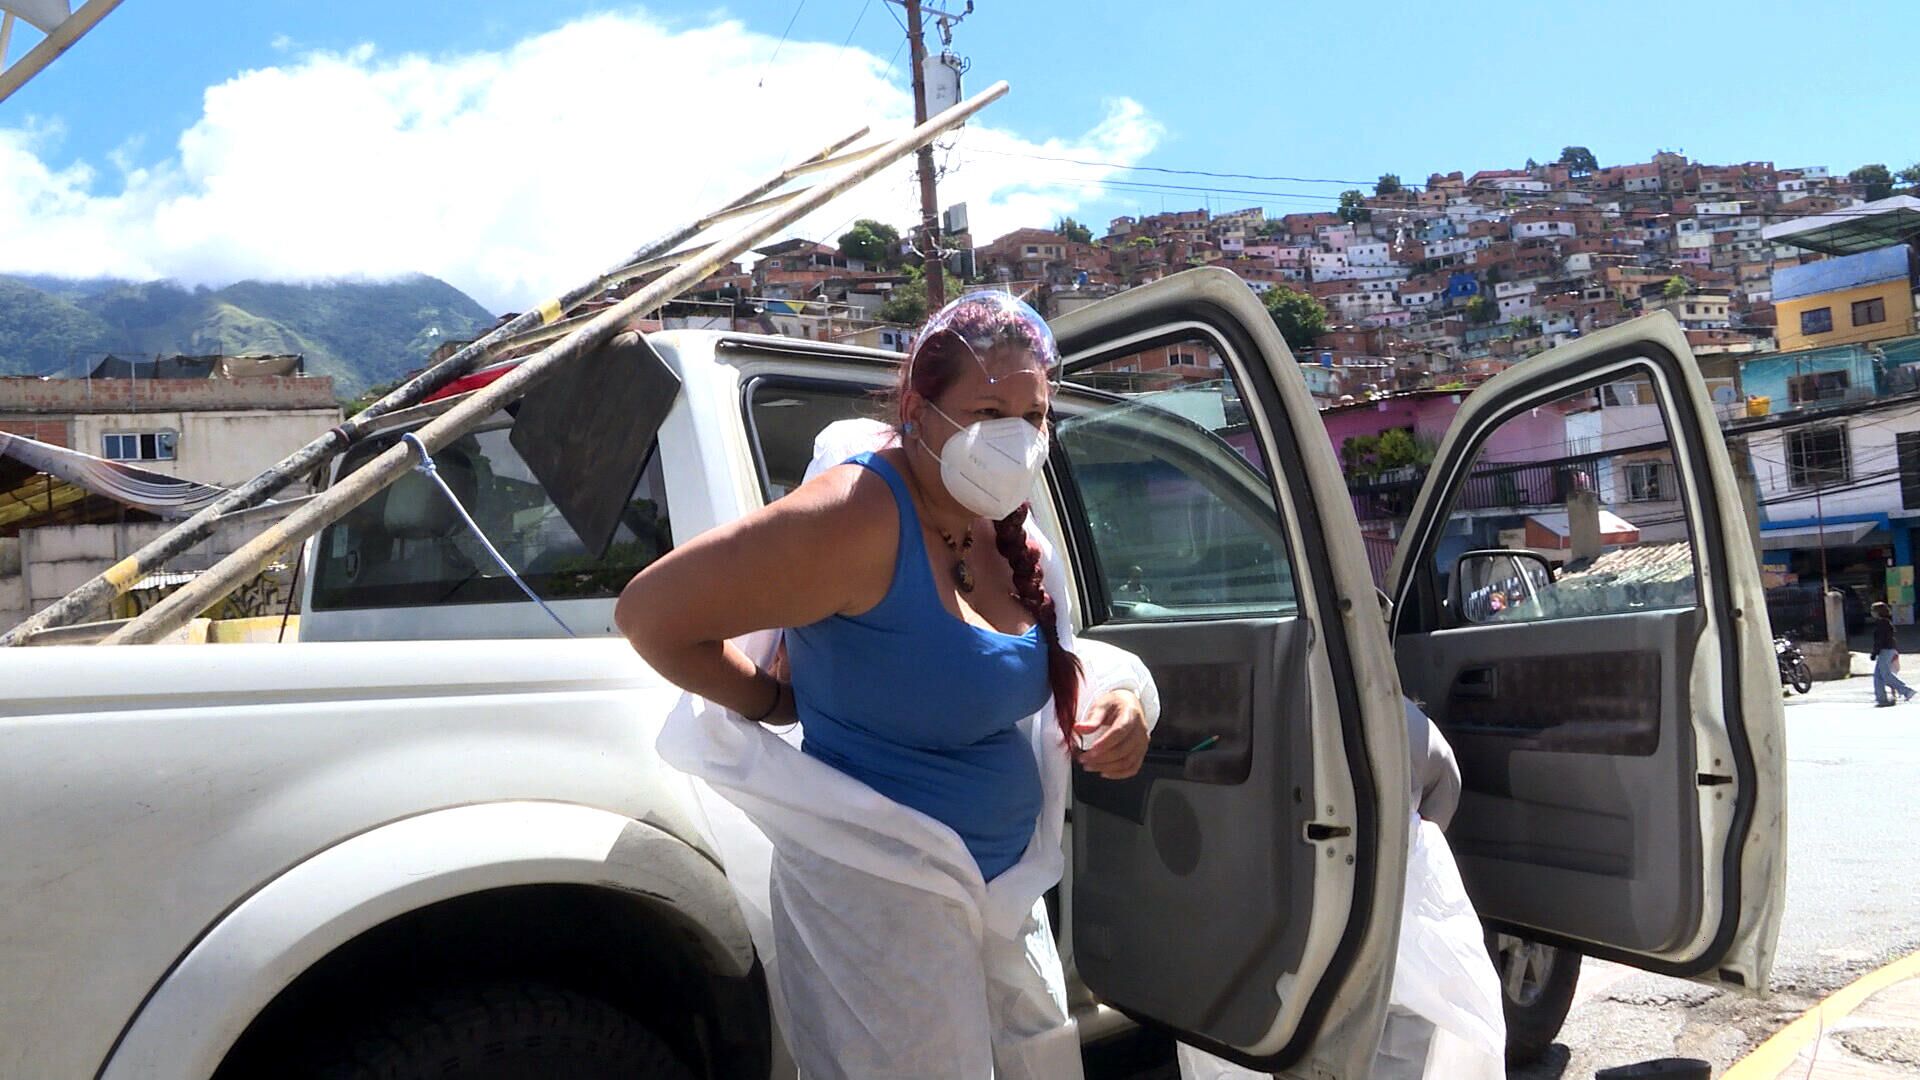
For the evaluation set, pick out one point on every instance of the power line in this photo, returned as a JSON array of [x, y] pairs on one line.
[[1171, 171], [856, 23], [775, 55], [1418, 211], [1844, 213]]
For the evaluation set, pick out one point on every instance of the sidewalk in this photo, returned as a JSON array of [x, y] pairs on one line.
[[1866, 1031]]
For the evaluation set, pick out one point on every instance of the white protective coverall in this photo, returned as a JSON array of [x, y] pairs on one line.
[[888, 954], [1444, 1018]]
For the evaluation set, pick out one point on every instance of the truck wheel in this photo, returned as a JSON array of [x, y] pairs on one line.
[[1536, 990], [504, 1031]]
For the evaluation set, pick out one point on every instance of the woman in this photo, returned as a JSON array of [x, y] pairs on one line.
[[1886, 654], [940, 697]]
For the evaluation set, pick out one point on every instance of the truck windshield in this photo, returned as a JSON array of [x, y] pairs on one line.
[[405, 547]]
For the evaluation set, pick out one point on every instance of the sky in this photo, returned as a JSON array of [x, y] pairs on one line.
[[515, 148]]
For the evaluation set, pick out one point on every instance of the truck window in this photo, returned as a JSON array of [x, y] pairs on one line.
[[1180, 518], [784, 415], [405, 547]]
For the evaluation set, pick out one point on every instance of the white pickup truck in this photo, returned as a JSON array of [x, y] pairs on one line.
[[433, 837]]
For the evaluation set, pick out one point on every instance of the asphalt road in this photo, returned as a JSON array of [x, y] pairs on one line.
[[1853, 805]]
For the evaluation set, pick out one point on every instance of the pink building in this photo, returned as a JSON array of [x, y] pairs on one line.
[[1536, 435]]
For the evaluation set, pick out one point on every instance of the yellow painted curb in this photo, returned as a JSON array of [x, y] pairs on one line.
[[1772, 1057]]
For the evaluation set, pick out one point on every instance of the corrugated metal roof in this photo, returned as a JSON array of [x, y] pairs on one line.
[[1892, 220], [1642, 564], [164, 579], [1846, 272]]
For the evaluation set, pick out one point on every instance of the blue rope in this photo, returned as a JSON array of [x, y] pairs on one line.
[[432, 473]]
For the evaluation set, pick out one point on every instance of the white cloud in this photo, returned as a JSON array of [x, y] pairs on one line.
[[515, 173]]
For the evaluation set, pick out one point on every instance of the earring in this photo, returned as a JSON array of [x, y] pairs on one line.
[[908, 429]]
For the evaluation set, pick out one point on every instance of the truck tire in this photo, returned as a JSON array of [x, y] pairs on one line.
[[1537, 983], [503, 1031]]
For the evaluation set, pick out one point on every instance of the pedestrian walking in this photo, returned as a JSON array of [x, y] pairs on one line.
[[1886, 661]]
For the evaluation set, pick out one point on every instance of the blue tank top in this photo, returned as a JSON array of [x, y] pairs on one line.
[[922, 706]]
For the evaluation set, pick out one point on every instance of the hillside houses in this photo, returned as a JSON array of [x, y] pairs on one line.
[[1460, 275]]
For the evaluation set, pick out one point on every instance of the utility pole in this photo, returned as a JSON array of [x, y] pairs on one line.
[[933, 269]]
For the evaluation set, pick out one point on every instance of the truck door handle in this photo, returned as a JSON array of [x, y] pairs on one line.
[[1476, 682]]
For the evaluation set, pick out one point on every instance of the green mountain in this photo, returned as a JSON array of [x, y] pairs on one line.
[[361, 333]]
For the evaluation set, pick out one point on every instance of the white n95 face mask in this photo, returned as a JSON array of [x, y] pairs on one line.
[[990, 467]]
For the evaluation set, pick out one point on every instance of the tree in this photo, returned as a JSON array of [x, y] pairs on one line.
[[1579, 160], [872, 242], [1532, 165], [1482, 309], [1353, 207], [1874, 180], [1141, 242], [1074, 231], [1388, 184], [907, 303], [1367, 456], [1675, 288], [1910, 175], [1299, 316]]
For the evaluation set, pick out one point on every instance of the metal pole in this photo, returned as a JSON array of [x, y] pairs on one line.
[[1820, 525], [333, 504], [92, 598], [931, 268]]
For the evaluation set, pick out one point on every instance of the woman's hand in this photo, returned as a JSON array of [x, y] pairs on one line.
[[1114, 733]]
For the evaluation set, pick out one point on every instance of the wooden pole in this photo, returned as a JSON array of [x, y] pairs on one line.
[[93, 597], [381, 471], [932, 269]]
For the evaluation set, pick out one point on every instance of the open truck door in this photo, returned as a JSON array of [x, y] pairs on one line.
[[1243, 891], [1577, 604]]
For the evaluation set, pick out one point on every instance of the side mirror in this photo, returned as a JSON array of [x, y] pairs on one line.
[[1500, 585]]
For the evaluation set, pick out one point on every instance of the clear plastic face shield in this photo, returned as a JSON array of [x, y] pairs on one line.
[[1008, 340]]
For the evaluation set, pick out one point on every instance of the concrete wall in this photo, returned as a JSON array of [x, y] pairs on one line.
[[1896, 298], [51, 430], [42, 565], [224, 448], [1766, 375], [1873, 489], [35, 395]]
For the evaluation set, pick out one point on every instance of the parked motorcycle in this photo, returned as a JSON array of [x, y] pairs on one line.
[[1793, 664]]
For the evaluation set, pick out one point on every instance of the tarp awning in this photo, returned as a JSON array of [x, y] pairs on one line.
[[39, 478], [1837, 534]]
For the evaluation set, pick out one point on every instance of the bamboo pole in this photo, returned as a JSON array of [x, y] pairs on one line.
[[93, 597], [59, 39], [393, 463], [640, 268]]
